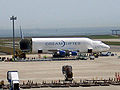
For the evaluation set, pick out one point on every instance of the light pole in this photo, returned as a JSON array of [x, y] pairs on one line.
[[13, 19]]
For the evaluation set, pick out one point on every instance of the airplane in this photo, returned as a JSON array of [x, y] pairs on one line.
[[63, 46]]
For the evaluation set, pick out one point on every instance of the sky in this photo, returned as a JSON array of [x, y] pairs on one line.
[[60, 13]]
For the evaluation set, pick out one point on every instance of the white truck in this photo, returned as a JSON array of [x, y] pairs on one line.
[[13, 79]]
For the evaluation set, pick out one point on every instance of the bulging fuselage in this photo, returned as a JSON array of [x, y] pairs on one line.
[[67, 44]]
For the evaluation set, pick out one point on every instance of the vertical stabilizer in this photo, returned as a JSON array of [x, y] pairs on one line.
[[21, 33]]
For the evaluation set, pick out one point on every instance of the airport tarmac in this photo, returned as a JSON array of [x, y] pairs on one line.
[[81, 88], [100, 68]]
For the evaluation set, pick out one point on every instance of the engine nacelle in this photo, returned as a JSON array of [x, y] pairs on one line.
[[73, 53], [59, 54]]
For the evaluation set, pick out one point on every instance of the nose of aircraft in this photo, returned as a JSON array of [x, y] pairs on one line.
[[107, 47]]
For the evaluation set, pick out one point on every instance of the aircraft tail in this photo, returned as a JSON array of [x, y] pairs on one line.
[[21, 33]]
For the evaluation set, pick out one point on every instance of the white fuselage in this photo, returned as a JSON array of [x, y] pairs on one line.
[[71, 44]]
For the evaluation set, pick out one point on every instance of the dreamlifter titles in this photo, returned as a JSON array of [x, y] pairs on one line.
[[61, 46]]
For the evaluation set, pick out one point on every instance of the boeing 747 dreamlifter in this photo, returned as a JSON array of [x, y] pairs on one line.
[[61, 46]]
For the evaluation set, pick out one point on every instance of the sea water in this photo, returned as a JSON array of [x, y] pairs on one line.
[[58, 32]]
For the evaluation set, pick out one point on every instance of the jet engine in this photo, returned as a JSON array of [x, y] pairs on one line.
[[73, 53], [60, 53]]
